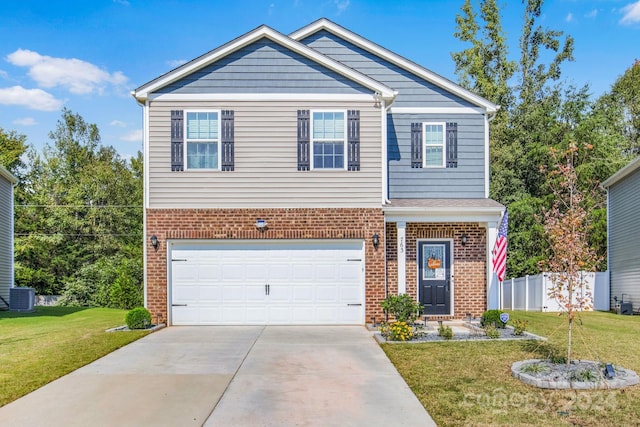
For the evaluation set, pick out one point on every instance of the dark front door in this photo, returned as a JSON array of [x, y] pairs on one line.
[[434, 281]]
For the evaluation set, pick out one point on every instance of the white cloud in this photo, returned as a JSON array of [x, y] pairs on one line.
[[118, 123], [133, 136], [631, 13], [4, 74], [592, 14], [79, 77], [173, 63], [35, 99], [569, 17], [25, 121], [122, 2], [342, 5]]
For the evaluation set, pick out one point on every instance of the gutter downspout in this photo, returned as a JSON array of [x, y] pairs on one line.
[[488, 119]]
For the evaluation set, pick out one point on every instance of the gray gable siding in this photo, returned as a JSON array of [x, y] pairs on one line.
[[6, 231], [413, 90], [264, 67], [624, 234], [465, 181]]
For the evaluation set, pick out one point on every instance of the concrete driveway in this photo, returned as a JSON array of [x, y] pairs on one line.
[[230, 376]]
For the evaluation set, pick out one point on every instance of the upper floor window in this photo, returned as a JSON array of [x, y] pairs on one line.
[[328, 139], [202, 139], [434, 145]]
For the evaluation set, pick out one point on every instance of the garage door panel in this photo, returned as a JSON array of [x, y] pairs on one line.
[[210, 294], [303, 294], [309, 282]]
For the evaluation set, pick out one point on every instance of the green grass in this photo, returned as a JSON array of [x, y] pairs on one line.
[[36, 348], [470, 383]]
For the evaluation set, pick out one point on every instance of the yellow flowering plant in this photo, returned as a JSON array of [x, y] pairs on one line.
[[397, 331]]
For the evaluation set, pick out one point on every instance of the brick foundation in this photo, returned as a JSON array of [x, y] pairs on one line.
[[469, 271], [212, 224]]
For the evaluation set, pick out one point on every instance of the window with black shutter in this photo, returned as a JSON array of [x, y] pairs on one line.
[[434, 145], [177, 140], [303, 140]]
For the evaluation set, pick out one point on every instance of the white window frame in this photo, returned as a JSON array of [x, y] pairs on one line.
[[312, 140], [185, 153], [424, 144]]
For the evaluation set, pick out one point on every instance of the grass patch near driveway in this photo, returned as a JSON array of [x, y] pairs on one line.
[[36, 348], [470, 383]]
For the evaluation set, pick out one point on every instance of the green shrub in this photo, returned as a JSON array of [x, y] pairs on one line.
[[491, 331], [402, 307], [492, 317], [125, 293], [138, 318], [519, 326], [445, 332]]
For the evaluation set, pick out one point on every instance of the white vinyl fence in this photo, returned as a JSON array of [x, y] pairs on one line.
[[531, 293]]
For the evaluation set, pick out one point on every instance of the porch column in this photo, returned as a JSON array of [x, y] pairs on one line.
[[402, 257]]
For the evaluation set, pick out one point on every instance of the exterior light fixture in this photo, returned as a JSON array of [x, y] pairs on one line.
[[154, 242], [464, 239], [376, 241], [261, 224], [377, 97]]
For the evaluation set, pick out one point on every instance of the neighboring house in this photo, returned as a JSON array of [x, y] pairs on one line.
[[300, 179], [623, 233], [7, 181]]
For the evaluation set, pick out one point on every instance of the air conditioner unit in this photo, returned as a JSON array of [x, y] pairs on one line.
[[21, 299]]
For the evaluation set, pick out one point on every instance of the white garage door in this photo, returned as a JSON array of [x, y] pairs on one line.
[[266, 282]]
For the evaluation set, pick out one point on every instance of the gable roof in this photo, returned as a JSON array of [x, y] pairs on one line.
[[142, 93], [412, 67], [622, 173], [7, 175]]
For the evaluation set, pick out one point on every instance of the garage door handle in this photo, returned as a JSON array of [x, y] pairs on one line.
[[354, 305], [178, 305], [354, 259]]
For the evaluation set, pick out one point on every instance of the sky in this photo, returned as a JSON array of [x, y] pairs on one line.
[[87, 56]]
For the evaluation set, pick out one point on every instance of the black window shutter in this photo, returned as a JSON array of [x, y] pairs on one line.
[[227, 140], [452, 145], [416, 145], [353, 140], [303, 140], [177, 140]]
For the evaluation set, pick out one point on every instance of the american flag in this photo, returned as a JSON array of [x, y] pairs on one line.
[[500, 249]]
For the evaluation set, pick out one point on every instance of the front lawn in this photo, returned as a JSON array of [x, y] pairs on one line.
[[36, 348], [470, 383]]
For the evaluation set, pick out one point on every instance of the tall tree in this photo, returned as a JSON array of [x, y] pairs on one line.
[[12, 147], [484, 67], [80, 203], [624, 100]]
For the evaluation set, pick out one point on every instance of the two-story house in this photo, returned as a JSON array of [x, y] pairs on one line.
[[299, 179]]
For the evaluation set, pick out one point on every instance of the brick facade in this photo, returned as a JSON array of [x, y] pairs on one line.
[[469, 270], [211, 224]]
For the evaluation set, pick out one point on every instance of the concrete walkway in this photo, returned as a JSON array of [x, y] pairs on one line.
[[230, 376]]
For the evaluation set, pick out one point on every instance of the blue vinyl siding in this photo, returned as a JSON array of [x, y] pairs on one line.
[[413, 91], [264, 67], [624, 234], [465, 181]]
